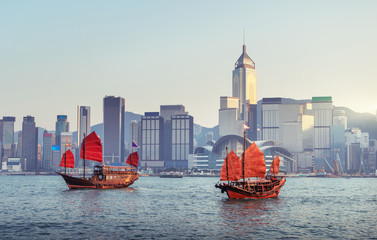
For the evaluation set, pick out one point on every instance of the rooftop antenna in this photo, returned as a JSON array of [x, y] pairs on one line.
[[244, 35]]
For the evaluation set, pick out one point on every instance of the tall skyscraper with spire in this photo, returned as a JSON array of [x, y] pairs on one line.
[[242, 106], [244, 83]]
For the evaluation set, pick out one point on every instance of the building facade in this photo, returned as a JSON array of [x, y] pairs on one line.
[[83, 123], [47, 151], [29, 159], [7, 138], [152, 130], [113, 129], [182, 141], [323, 117], [242, 106], [62, 125]]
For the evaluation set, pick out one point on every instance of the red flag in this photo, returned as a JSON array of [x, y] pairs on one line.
[[133, 159]]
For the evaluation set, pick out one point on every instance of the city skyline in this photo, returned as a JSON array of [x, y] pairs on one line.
[[145, 53]]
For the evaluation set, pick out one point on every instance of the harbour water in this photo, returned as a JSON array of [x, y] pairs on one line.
[[42, 207]]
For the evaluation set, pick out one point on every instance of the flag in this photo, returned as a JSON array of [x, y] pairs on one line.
[[245, 126], [134, 145], [67, 144]]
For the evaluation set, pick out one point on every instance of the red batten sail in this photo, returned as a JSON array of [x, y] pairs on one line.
[[234, 168], [133, 159], [69, 159], [275, 165], [93, 148], [254, 162]]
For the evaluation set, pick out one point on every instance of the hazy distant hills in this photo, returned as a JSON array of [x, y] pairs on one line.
[[367, 122]]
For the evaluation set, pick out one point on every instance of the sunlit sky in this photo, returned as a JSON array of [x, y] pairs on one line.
[[55, 55]]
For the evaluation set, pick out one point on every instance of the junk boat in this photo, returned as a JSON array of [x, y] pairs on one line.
[[236, 173], [103, 176]]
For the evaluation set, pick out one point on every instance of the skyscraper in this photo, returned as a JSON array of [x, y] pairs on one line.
[[244, 95], [47, 151], [62, 125], [6, 138], [113, 129], [323, 117], [152, 131], [83, 123], [134, 133], [178, 140], [244, 83], [29, 160]]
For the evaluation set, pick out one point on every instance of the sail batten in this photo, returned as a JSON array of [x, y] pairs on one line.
[[68, 160], [93, 148]]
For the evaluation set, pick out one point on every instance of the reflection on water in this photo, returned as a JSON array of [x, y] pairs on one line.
[[249, 212], [35, 207]]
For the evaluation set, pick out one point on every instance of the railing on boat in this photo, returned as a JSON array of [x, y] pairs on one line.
[[112, 170]]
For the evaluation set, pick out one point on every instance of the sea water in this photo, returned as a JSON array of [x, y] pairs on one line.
[[42, 207]]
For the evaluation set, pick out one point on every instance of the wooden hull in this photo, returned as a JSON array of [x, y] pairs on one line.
[[95, 183], [258, 190]]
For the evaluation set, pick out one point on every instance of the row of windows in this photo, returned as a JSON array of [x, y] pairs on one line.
[[180, 136], [151, 124], [151, 152], [180, 151], [180, 123], [151, 137]]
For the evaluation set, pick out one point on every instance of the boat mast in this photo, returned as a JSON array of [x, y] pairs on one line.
[[227, 165], [243, 159], [65, 158], [83, 150]]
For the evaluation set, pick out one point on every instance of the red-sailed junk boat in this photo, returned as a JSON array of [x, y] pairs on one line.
[[237, 172], [103, 176]]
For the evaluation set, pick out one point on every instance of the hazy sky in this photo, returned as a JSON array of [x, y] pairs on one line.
[[55, 55]]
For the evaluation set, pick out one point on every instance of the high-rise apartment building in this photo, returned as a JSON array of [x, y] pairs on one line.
[[47, 151], [29, 159], [113, 129], [62, 125], [83, 123]]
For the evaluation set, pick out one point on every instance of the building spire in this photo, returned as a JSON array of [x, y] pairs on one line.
[[244, 43]]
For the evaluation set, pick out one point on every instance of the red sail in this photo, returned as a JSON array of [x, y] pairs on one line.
[[234, 168], [254, 162], [69, 159], [275, 165], [93, 148], [133, 159]]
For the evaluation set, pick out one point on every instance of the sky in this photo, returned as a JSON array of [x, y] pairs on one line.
[[56, 55]]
